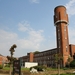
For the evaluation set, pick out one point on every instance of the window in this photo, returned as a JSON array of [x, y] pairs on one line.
[[59, 43], [65, 28], [58, 35], [66, 48], [65, 32], [58, 30], [65, 37], [56, 16], [65, 13]]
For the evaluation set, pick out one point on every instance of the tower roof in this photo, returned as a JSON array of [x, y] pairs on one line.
[[59, 7]]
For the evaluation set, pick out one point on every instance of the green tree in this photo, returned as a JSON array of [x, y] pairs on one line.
[[72, 64], [58, 57], [36, 52], [69, 60]]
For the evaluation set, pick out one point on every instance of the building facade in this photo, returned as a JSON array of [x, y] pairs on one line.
[[63, 48], [46, 57], [3, 60]]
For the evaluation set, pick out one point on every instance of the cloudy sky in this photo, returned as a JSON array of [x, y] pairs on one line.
[[29, 24]]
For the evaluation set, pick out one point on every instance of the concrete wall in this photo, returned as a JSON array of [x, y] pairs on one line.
[[30, 64]]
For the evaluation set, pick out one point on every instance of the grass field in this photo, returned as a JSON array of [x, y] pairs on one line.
[[63, 74], [49, 71]]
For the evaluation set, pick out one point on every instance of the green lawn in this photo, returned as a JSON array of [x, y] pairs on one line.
[[22, 69], [63, 74], [49, 71], [6, 68], [25, 69]]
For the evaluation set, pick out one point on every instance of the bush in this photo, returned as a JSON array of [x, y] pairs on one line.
[[72, 64], [1, 66], [7, 65], [65, 68], [39, 68]]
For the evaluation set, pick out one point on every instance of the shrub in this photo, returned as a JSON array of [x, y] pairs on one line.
[[39, 68], [72, 64], [1, 66], [7, 65], [65, 68]]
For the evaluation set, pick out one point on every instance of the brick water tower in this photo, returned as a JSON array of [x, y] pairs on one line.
[[61, 23]]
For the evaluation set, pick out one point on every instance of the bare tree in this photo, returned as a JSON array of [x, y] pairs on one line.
[[11, 53]]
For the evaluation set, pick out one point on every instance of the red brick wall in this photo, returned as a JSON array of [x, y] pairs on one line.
[[72, 49], [0, 60], [61, 23], [31, 57], [3, 59]]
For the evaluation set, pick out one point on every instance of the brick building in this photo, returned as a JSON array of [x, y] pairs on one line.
[[61, 23], [63, 47], [3, 60], [72, 49]]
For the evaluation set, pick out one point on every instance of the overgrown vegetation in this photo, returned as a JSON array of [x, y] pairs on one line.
[[49, 71], [72, 64], [1, 66], [63, 74]]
